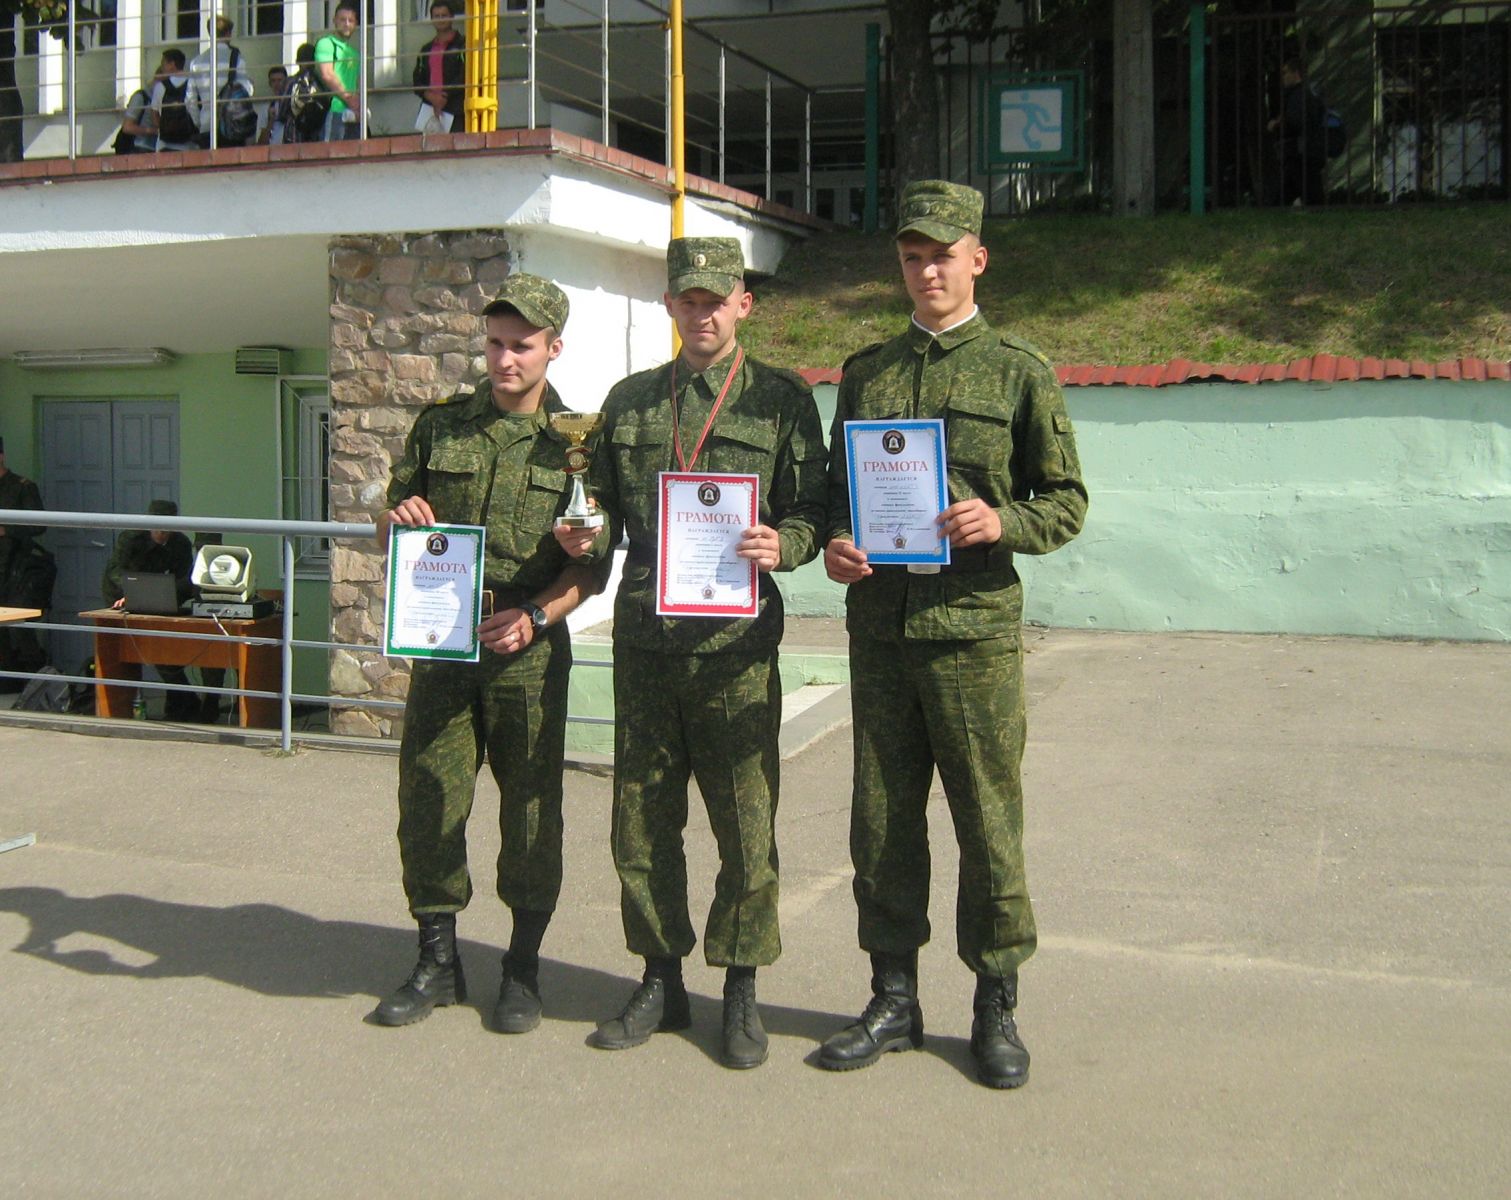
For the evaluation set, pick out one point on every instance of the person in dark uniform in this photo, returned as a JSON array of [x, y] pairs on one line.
[[1302, 131], [158, 552], [491, 458], [936, 660], [26, 575]]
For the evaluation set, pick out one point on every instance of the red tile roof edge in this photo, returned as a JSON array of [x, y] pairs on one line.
[[1321, 368]]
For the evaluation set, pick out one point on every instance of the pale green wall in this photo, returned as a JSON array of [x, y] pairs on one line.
[[1378, 508], [228, 454]]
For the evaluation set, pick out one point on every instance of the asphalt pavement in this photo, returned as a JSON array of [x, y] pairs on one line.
[[1273, 883]]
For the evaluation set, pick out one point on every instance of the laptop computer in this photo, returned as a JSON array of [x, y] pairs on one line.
[[150, 594]]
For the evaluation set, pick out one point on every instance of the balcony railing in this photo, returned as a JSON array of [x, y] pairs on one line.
[[748, 124]]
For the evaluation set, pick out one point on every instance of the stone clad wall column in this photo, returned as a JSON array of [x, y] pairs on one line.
[[405, 332]]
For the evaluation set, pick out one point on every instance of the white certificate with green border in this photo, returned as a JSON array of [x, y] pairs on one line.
[[435, 591]]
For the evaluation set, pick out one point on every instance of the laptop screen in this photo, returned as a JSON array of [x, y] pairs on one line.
[[150, 593]]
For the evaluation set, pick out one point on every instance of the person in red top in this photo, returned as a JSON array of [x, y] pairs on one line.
[[440, 69]]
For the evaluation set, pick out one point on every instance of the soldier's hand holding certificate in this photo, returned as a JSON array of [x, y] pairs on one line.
[[898, 488]]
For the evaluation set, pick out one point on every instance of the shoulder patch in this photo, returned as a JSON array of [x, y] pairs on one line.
[[860, 354], [792, 378], [1017, 343]]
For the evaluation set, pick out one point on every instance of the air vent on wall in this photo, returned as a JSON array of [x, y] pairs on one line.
[[259, 360]]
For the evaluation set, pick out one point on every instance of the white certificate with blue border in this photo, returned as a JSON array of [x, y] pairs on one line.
[[898, 488]]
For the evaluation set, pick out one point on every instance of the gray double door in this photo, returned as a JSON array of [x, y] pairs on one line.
[[106, 455]]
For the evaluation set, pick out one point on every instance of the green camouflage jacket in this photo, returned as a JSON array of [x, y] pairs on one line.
[[1008, 441], [478, 466], [768, 426]]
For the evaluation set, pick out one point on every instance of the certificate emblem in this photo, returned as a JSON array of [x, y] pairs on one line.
[[708, 493], [436, 544], [893, 441]]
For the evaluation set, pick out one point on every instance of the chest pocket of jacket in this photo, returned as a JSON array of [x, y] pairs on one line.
[[454, 484], [741, 447], [543, 498], [640, 451], [980, 435]]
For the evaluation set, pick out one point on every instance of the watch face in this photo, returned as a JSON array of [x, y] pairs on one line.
[[537, 616]]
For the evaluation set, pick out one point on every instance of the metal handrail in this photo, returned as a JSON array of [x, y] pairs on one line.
[[288, 532]]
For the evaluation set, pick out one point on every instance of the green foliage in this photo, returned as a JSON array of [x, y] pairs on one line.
[[1244, 286], [51, 15]]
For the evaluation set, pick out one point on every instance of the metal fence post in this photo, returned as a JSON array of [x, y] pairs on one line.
[[530, 68], [1198, 86], [605, 71], [285, 703], [723, 95], [873, 128], [73, 63], [768, 135], [808, 153], [363, 45]]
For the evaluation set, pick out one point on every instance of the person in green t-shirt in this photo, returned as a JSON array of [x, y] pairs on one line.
[[339, 67]]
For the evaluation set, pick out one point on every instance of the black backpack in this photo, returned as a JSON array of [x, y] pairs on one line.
[[174, 124], [125, 143], [309, 103], [45, 693], [238, 119]]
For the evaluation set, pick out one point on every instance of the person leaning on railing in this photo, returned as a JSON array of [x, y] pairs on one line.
[[340, 71], [440, 70]]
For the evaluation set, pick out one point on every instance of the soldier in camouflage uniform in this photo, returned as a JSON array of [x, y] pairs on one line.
[[701, 696], [936, 659], [490, 458]]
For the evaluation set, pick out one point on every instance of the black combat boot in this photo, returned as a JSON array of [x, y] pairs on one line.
[[1001, 1059], [436, 979], [658, 1005], [744, 1035], [893, 1019], [518, 1007]]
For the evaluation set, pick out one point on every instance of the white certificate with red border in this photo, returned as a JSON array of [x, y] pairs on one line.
[[703, 516]]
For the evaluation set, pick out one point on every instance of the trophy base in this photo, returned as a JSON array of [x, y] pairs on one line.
[[586, 521]]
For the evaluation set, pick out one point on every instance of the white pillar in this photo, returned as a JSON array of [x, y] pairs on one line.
[[296, 28], [383, 44], [51, 68], [128, 49]]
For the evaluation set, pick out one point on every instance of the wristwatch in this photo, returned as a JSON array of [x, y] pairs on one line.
[[536, 614]]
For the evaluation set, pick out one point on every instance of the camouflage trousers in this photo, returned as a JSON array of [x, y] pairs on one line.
[[714, 717], [514, 708], [958, 706]]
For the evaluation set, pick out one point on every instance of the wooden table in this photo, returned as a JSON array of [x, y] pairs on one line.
[[119, 656], [18, 614]]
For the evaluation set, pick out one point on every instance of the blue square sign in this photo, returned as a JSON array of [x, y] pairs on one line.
[[1032, 120]]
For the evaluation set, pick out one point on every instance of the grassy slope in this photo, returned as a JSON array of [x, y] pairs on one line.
[[1249, 286]]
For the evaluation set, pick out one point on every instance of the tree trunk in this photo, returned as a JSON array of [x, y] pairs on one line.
[[1133, 108], [915, 98]]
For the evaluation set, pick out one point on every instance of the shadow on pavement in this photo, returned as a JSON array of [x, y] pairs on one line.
[[276, 951]]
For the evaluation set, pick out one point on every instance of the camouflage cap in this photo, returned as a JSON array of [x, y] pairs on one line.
[[162, 508], [715, 264], [538, 300], [940, 210]]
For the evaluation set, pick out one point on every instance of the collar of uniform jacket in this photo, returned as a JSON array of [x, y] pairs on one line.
[[481, 411], [920, 339], [712, 377]]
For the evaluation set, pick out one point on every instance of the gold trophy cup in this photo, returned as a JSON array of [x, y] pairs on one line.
[[577, 428]]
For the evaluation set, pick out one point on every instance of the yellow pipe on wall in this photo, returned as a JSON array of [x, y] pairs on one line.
[[679, 157], [481, 104]]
